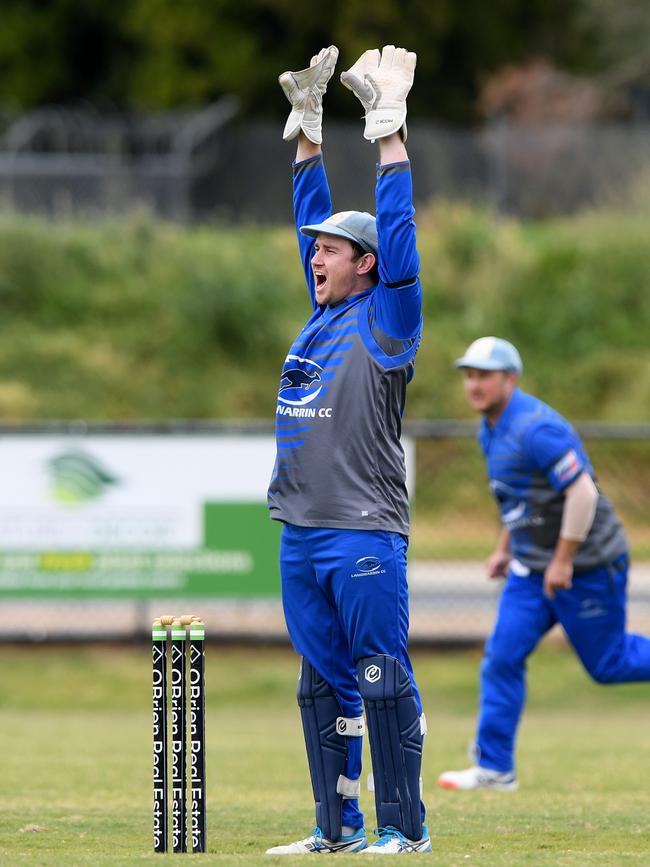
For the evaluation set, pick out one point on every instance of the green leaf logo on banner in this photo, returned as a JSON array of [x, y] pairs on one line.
[[77, 477]]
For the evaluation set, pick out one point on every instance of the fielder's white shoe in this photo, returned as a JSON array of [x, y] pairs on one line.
[[479, 778], [316, 844], [393, 842]]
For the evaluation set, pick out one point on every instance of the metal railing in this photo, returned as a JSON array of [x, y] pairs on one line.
[[190, 166], [60, 162]]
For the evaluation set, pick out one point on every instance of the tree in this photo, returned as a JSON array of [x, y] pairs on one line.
[[157, 54]]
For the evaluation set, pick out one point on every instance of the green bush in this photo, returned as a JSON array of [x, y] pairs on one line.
[[136, 319]]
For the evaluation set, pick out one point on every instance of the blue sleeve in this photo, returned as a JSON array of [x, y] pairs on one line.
[[312, 203], [397, 300], [556, 451]]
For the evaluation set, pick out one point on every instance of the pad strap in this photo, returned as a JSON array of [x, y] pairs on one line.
[[348, 788], [351, 727]]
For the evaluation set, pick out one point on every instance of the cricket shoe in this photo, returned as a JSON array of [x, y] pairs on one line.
[[479, 778], [393, 842], [317, 844]]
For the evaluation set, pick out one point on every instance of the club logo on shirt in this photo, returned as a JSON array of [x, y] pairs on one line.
[[501, 491], [301, 381], [514, 510], [367, 566], [514, 515]]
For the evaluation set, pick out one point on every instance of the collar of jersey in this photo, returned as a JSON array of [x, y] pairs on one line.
[[502, 425], [351, 299]]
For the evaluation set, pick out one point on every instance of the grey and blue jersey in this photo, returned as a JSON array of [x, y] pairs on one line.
[[342, 390], [533, 454]]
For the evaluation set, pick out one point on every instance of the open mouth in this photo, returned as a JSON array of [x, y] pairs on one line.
[[320, 279]]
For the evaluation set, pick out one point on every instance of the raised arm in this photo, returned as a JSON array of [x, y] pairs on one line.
[[392, 149], [306, 149], [398, 297], [312, 203], [381, 81], [311, 196]]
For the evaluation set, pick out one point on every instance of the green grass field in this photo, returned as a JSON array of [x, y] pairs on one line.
[[76, 733]]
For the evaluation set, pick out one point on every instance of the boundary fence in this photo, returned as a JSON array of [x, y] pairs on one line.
[[451, 600]]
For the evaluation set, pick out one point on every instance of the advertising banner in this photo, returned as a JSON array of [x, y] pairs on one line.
[[137, 515]]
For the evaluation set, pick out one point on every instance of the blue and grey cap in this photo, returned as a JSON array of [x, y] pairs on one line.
[[358, 226], [491, 353]]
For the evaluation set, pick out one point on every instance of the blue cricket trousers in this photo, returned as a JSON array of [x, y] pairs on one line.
[[592, 614], [345, 596]]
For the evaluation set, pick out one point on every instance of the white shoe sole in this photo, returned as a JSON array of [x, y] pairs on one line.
[[346, 848], [495, 786]]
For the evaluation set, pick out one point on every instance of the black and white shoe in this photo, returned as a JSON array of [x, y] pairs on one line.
[[317, 844], [393, 842]]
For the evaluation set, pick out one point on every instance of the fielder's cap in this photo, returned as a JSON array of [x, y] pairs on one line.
[[356, 226], [491, 353]]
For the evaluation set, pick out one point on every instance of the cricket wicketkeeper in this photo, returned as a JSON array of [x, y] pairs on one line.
[[339, 482]]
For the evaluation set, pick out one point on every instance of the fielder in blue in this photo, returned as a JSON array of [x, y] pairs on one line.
[[339, 482], [562, 550]]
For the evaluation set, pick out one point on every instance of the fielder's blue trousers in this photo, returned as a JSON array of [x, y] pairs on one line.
[[592, 614], [337, 611]]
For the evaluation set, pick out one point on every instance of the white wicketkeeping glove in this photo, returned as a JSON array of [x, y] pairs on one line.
[[304, 90], [381, 82]]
